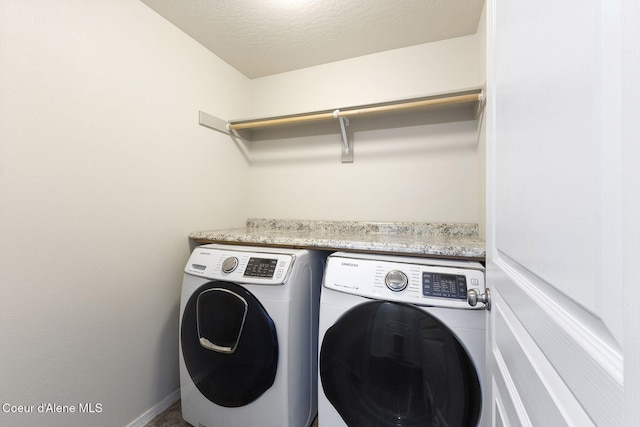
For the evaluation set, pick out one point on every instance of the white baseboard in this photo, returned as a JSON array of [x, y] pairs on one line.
[[143, 419]]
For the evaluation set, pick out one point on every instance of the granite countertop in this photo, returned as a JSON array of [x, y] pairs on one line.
[[450, 240]]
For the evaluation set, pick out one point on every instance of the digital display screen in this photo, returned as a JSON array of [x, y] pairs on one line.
[[261, 267], [438, 285]]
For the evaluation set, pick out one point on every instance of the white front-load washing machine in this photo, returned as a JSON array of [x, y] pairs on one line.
[[248, 336], [400, 345]]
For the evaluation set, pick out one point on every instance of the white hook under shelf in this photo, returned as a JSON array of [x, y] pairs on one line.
[[347, 148]]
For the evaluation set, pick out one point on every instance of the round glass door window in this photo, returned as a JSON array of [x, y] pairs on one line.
[[391, 364], [229, 344]]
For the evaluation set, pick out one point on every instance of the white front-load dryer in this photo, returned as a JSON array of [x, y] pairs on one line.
[[248, 336], [399, 343]]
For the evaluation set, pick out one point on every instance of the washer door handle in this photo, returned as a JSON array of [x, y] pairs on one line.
[[220, 315], [211, 346]]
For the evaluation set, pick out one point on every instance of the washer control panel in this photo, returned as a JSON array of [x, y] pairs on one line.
[[240, 266], [440, 285], [422, 281]]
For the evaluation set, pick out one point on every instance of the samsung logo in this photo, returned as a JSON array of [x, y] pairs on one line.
[[349, 264]]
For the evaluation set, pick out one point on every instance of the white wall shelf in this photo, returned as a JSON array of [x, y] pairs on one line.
[[462, 99]]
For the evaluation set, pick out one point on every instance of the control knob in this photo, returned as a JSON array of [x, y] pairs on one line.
[[396, 280], [229, 264]]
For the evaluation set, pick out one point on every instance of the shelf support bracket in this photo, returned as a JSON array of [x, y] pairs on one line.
[[480, 106], [213, 122], [347, 147]]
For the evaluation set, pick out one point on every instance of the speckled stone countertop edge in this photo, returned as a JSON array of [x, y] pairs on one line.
[[412, 239], [366, 227]]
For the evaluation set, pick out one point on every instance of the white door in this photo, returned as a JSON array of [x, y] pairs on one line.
[[563, 212]]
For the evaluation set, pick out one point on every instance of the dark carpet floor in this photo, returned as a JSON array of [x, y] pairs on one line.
[[172, 416]]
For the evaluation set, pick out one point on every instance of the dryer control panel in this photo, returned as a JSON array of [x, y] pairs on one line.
[[240, 266], [421, 281]]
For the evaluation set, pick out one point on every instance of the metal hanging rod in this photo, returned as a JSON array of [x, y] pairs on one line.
[[350, 112]]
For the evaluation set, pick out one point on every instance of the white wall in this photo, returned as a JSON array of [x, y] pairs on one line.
[[395, 74], [104, 171], [418, 168]]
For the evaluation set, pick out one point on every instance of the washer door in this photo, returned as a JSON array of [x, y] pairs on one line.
[[229, 344], [390, 364]]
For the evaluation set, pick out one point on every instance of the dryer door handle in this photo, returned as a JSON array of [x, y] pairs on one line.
[[473, 298]]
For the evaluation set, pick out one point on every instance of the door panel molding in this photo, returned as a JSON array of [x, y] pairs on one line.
[[522, 374], [500, 416], [575, 342], [505, 394]]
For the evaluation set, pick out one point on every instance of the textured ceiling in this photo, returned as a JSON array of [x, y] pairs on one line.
[[264, 37]]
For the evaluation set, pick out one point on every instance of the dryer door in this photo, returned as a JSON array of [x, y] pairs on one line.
[[229, 344], [390, 364]]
